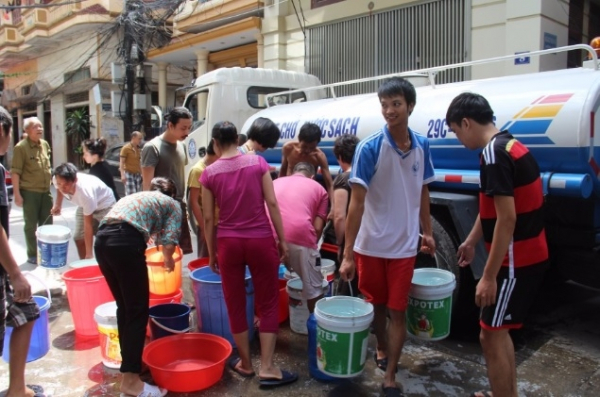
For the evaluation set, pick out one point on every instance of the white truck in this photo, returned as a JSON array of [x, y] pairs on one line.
[[554, 113]]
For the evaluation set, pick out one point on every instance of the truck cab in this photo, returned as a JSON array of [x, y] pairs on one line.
[[235, 94]]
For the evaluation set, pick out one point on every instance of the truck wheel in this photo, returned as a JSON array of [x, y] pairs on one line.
[[465, 314]]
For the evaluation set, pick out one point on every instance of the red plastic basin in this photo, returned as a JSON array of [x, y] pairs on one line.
[[187, 362]]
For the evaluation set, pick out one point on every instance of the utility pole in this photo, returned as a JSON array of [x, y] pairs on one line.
[[129, 47]]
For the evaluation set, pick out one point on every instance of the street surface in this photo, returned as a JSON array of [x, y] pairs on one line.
[[558, 352]]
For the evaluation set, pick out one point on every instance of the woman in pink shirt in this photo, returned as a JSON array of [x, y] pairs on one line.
[[240, 186]]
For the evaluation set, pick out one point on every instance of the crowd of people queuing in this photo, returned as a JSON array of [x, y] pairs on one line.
[[378, 203]]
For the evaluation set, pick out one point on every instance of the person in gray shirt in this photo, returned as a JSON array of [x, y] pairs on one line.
[[166, 156]]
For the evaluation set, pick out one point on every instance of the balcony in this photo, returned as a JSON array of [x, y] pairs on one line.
[[201, 16], [9, 37], [38, 25]]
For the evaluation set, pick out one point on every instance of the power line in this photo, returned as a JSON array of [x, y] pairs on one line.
[[2, 7]]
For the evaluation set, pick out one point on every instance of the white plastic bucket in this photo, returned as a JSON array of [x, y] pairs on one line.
[[328, 272], [430, 304], [298, 306], [342, 335], [83, 263], [106, 318], [52, 244]]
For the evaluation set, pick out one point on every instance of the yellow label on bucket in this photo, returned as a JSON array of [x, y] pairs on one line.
[[109, 344]]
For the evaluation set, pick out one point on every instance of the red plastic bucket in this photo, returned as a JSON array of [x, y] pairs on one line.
[[86, 290], [284, 308], [197, 264], [187, 362]]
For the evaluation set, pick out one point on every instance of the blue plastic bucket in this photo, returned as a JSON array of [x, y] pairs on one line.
[[210, 304], [53, 244], [169, 319], [40, 336]]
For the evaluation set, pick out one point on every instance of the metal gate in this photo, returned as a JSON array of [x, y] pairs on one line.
[[428, 34]]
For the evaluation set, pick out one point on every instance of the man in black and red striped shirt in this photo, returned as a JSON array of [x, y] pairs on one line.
[[511, 223]]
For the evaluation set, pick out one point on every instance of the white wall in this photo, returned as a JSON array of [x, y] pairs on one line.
[[503, 27]]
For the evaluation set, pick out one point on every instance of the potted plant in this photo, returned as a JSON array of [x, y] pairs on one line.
[[78, 129]]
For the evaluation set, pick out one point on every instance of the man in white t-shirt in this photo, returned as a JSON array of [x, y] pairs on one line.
[[390, 198], [93, 198]]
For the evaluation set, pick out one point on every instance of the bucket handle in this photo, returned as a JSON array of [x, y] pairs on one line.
[[174, 331], [26, 273], [61, 215], [165, 328]]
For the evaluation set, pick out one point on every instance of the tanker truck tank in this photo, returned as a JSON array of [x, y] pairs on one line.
[[553, 113]]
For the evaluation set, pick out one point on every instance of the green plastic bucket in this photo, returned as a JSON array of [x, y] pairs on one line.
[[430, 304], [342, 335]]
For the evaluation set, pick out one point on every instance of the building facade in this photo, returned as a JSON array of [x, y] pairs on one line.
[[56, 59]]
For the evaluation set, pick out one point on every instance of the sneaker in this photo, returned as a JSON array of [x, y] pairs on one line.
[[33, 260]]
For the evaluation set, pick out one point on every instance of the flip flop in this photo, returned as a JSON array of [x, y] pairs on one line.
[[391, 392], [37, 389], [233, 362], [382, 363], [481, 393], [286, 378]]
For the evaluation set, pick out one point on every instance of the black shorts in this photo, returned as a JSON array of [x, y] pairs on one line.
[[514, 297], [13, 314]]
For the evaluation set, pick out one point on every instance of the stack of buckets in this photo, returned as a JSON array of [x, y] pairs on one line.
[[298, 309], [168, 316]]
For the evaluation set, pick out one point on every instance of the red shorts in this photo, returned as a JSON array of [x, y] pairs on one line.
[[385, 281]]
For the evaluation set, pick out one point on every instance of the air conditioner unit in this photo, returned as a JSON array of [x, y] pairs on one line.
[[117, 103], [118, 75]]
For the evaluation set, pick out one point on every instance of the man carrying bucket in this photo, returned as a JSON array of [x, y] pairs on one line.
[[31, 173], [17, 307], [390, 198], [510, 222], [303, 205]]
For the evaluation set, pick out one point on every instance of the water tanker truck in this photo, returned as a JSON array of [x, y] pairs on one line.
[[554, 113]]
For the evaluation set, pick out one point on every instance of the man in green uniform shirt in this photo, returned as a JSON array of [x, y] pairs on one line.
[[31, 175]]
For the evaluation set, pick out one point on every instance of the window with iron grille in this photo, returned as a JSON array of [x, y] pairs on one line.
[[77, 75], [423, 35], [26, 90], [77, 97]]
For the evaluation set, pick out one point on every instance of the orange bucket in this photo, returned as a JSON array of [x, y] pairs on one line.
[[160, 281]]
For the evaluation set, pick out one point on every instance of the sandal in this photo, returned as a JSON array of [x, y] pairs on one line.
[[391, 392], [286, 378], [382, 363]]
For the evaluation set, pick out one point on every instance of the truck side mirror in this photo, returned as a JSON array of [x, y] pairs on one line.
[[202, 152]]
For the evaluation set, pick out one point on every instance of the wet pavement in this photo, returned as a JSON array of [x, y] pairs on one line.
[[558, 352]]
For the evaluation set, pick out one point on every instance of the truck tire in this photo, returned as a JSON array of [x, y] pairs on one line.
[[465, 314]]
